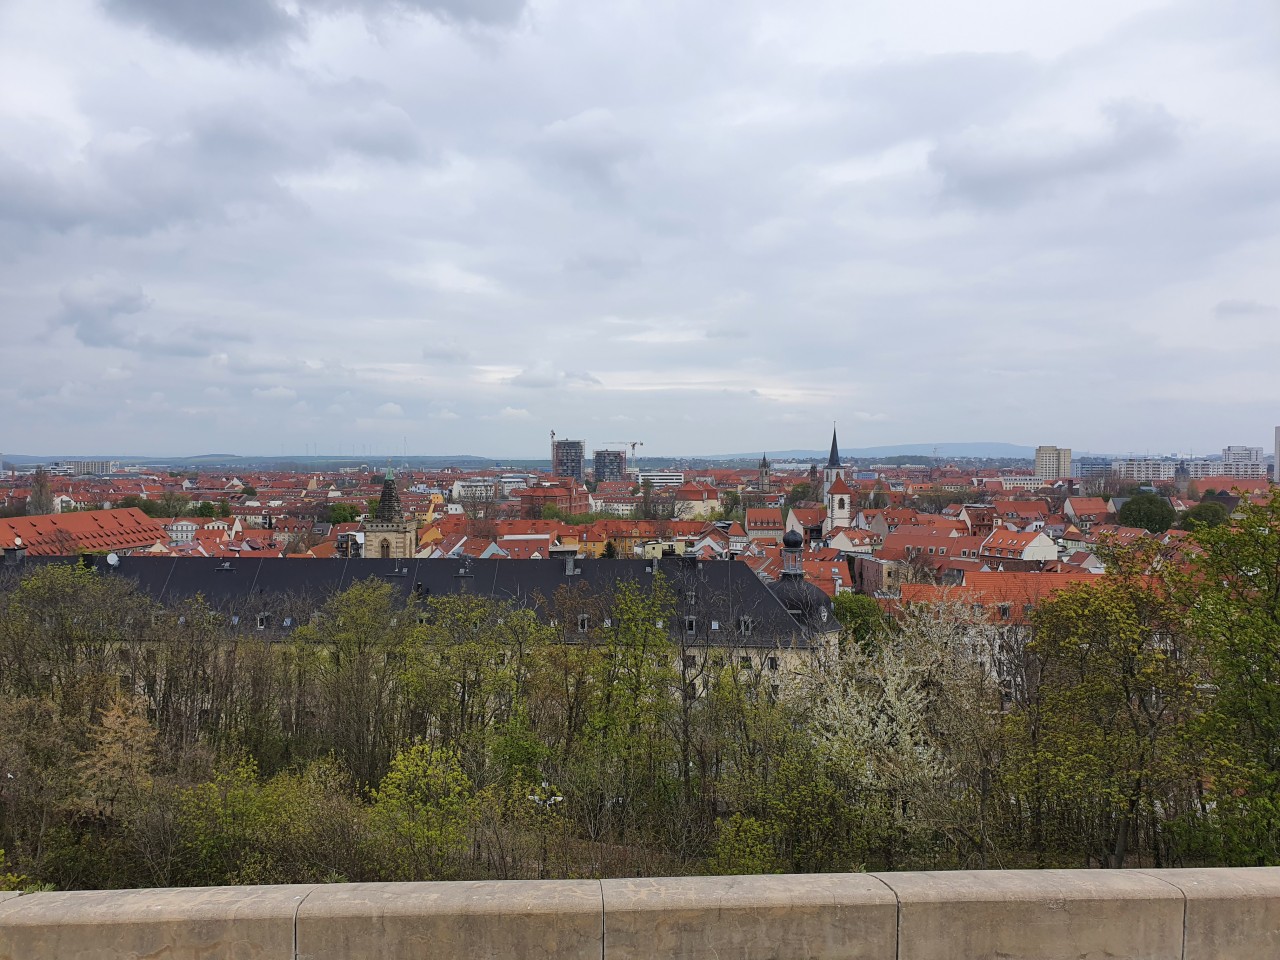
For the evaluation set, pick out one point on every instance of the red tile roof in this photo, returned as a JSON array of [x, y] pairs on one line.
[[67, 534]]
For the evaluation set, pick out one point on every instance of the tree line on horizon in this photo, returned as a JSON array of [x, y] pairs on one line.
[[1135, 720]]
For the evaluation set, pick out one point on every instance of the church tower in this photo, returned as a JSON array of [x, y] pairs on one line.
[[833, 469], [764, 481], [388, 535], [839, 506]]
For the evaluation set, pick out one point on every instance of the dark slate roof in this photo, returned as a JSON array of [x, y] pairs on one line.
[[720, 591], [833, 461]]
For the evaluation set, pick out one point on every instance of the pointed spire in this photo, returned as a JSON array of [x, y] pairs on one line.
[[390, 509], [833, 461]]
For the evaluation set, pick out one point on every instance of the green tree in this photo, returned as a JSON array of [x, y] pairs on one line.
[[40, 500], [424, 806], [1207, 513], [1148, 511], [343, 513], [859, 615], [249, 491], [610, 550], [207, 509], [152, 508], [224, 509], [802, 491], [1233, 598], [1107, 747], [173, 503]]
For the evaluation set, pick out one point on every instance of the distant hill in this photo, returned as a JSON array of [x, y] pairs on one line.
[[1003, 451]]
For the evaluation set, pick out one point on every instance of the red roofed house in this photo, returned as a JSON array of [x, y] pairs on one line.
[[1005, 545], [91, 531], [765, 524]]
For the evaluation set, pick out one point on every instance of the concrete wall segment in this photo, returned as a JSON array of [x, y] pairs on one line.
[[1230, 913], [1036, 914], [525, 919], [811, 917], [198, 923]]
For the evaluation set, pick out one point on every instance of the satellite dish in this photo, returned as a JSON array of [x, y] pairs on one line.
[[113, 560], [17, 542]]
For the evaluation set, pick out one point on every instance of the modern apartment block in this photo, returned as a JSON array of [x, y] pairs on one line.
[[610, 465], [567, 458], [1053, 463]]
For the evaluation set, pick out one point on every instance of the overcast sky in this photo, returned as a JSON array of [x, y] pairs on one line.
[[260, 225]]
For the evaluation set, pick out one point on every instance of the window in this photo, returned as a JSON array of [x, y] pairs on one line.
[[773, 664], [691, 597], [744, 662], [658, 624], [608, 622], [287, 622], [690, 625], [584, 622], [386, 549], [422, 619], [744, 626], [1004, 611], [263, 620], [715, 624], [235, 619]]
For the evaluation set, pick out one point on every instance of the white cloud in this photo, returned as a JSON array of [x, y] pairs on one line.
[[390, 410], [275, 393]]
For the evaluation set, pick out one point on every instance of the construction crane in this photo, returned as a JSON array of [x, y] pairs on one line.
[[623, 443]]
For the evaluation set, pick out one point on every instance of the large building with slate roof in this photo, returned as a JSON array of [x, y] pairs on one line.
[[719, 603]]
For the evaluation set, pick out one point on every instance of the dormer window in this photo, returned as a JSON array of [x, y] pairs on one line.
[[690, 625], [584, 622], [744, 626], [263, 620]]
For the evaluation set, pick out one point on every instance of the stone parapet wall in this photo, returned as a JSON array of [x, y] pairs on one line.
[[1226, 914]]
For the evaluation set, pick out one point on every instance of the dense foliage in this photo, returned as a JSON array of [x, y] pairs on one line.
[[1131, 720]]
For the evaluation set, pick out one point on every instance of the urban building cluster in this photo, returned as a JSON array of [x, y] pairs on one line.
[[884, 531]]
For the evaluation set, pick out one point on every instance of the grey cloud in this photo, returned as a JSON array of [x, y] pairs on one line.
[[105, 312], [238, 25], [214, 24], [1228, 309], [591, 145], [980, 168], [97, 311]]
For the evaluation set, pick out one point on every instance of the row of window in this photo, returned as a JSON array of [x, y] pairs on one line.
[[690, 624]]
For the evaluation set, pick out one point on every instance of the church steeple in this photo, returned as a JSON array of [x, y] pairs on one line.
[[390, 509], [833, 470]]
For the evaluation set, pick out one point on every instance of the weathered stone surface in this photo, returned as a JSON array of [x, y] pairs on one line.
[[1037, 915], [1231, 914], [819, 916], [527, 919], [202, 923], [8, 895]]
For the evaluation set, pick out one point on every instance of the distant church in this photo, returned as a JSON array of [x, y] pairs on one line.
[[388, 535], [836, 493]]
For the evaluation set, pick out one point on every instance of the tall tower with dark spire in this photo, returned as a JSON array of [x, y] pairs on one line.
[[764, 481], [390, 509], [833, 469], [387, 534]]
